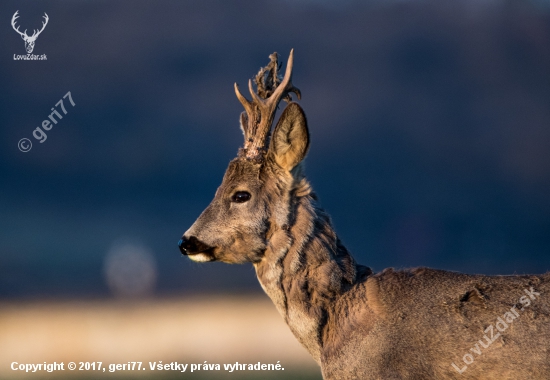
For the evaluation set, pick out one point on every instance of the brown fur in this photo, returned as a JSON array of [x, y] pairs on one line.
[[409, 324]]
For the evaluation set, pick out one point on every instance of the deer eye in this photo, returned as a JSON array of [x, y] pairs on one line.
[[241, 197]]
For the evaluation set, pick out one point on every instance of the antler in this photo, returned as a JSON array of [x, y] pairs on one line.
[[15, 17], [37, 33], [260, 112]]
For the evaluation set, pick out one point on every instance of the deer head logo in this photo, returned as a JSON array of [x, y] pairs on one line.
[[29, 40]]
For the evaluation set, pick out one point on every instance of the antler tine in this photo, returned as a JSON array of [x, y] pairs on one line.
[[268, 106], [43, 24], [248, 106], [286, 85], [255, 96], [15, 17], [282, 89]]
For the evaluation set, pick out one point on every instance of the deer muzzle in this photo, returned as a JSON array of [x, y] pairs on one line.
[[195, 249]]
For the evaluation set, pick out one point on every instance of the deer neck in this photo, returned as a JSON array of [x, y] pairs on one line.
[[306, 269]]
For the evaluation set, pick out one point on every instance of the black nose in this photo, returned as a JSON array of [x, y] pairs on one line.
[[180, 244], [192, 245]]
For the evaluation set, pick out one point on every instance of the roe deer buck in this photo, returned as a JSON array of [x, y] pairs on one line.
[[411, 324]]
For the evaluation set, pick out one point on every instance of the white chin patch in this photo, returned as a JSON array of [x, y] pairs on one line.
[[200, 258]]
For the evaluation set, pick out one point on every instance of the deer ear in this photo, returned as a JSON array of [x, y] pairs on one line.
[[290, 141]]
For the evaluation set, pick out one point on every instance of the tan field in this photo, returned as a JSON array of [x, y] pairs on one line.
[[218, 330]]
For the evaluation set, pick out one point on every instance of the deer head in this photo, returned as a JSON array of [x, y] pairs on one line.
[[254, 200], [29, 40]]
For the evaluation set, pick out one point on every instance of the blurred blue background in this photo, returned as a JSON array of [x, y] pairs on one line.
[[429, 120]]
